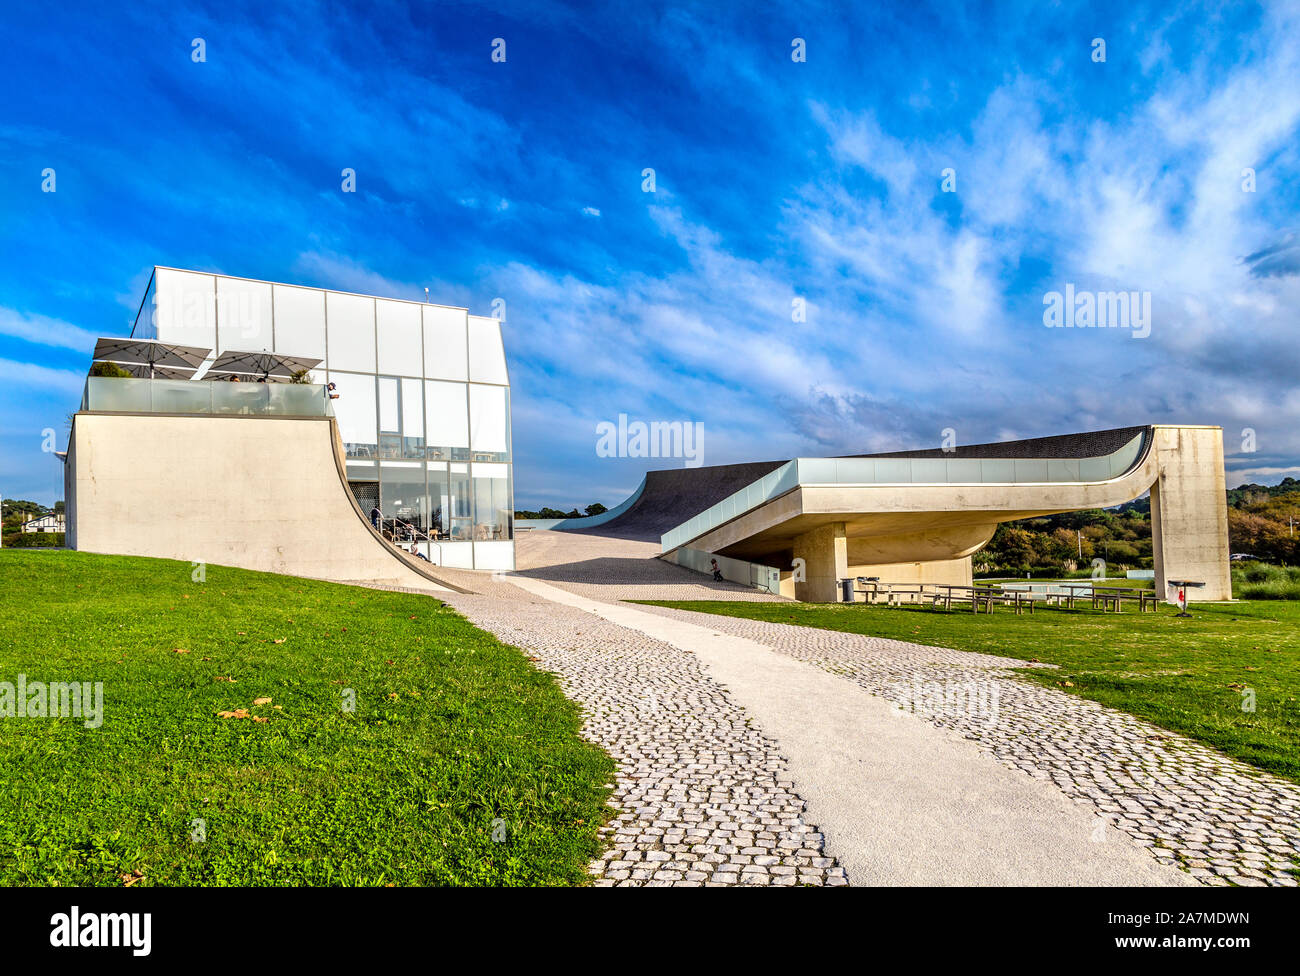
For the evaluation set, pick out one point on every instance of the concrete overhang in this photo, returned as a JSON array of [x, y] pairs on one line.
[[925, 513]]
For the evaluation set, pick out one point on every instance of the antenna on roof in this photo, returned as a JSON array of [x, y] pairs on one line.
[[426, 296]]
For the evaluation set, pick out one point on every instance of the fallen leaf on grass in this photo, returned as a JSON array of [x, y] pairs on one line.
[[278, 640], [180, 650], [260, 718], [222, 677], [237, 713], [261, 701], [132, 878]]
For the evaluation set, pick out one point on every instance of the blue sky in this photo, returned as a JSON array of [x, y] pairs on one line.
[[775, 180]]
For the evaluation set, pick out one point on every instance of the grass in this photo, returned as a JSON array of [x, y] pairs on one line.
[[1190, 675], [1261, 581], [460, 765]]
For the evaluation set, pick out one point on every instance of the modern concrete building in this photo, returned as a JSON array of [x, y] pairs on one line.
[[423, 401], [804, 525], [277, 475]]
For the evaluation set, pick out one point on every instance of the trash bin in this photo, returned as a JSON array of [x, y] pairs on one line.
[[846, 591]]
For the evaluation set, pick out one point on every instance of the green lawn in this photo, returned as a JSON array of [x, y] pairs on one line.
[[461, 763], [1186, 674]]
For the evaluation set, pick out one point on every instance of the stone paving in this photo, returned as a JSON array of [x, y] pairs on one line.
[[703, 797], [1222, 820], [698, 786]]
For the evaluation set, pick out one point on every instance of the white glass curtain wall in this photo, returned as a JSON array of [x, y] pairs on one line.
[[423, 402]]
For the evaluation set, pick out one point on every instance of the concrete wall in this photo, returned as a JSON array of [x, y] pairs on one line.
[[261, 493], [70, 496], [733, 570], [952, 572], [824, 552], [1189, 512]]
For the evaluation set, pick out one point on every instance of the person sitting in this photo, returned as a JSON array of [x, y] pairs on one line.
[[415, 551]]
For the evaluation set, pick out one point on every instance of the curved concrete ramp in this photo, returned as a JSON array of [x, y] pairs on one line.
[[262, 493], [672, 496]]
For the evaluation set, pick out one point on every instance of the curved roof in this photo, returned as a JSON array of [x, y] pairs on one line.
[[1092, 443], [670, 497]]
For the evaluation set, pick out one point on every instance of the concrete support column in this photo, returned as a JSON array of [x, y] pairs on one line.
[[824, 552], [1189, 512]]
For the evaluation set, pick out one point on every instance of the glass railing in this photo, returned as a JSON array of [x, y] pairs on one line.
[[906, 471], [113, 394]]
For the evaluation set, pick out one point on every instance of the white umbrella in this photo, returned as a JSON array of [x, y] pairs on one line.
[[150, 354], [263, 364]]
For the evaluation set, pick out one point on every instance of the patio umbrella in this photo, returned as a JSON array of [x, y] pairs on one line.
[[264, 364], [150, 353], [144, 371]]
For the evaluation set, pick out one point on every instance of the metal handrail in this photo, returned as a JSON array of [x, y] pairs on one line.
[[416, 533]]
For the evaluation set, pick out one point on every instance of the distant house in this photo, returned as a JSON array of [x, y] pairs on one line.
[[46, 523]]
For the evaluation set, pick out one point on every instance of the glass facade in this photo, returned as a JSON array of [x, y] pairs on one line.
[[423, 403]]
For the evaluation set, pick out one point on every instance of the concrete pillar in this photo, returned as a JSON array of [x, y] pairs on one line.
[[1189, 512], [824, 552]]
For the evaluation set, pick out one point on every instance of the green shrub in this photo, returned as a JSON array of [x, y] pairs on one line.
[[1272, 590], [35, 540]]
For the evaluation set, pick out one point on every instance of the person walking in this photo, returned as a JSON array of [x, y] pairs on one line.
[[717, 573], [376, 516]]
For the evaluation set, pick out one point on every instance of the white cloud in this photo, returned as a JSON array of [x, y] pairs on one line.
[[30, 375], [45, 331]]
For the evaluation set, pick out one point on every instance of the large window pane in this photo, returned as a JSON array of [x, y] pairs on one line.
[[489, 423], [445, 353], [300, 323], [401, 418], [398, 328], [243, 315], [350, 321], [403, 498], [355, 410], [439, 505], [187, 311], [146, 321], [487, 357], [390, 418], [446, 431], [412, 418], [459, 511], [492, 516]]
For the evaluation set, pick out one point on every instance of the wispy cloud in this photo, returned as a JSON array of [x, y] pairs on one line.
[[800, 281], [33, 377], [45, 331]]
